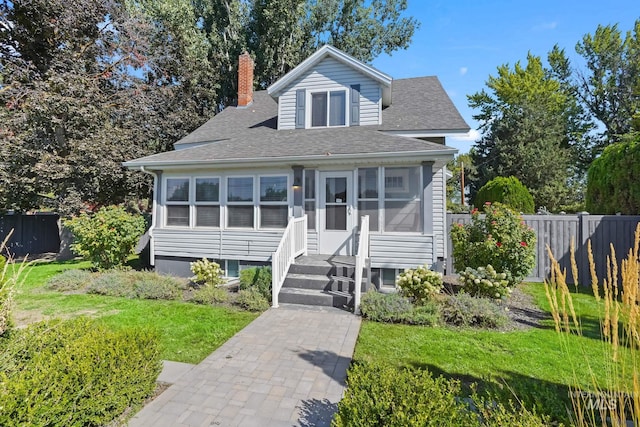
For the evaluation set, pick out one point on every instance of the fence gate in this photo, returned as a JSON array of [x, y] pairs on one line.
[[32, 234]]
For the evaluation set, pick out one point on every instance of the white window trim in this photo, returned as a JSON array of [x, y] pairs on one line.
[[309, 108], [305, 199], [382, 199], [286, 203]]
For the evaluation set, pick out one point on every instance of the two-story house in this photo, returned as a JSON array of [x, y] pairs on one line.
[[333, 140]]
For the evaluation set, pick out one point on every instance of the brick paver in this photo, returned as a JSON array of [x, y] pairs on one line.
[[287, 368]]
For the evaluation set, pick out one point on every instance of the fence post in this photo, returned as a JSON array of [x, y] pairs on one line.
[[581, 252]]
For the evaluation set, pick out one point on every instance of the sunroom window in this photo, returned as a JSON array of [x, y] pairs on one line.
[[207, 202], [240, 202], [177, 202], [402, 199], [368, 195], [274, 205], [329, 108]]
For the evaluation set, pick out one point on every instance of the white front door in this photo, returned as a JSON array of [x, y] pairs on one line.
[[336, 213]]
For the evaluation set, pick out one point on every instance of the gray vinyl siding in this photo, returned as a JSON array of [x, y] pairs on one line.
[[251, 245], [401, 250], [439, 211], [327, 75]]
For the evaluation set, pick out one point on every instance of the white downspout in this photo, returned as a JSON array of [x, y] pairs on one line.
[[152, 256]]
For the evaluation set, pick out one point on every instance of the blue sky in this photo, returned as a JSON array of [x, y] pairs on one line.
[[463, 41]]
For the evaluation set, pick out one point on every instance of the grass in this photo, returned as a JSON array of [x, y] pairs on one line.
[[529, 361], [188, 332]]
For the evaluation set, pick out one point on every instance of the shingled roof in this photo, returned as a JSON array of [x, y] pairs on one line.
[[250, 133]]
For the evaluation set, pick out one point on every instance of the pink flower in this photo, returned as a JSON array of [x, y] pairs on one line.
[[523, 244], [487, 203], [498, 244], [460, 225], [493, 223], [475, 210]]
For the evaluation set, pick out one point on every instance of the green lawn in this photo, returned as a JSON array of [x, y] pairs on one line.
[[188, 332], [537, 364]]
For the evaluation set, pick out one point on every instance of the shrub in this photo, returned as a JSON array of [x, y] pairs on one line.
[[252, 300], [500, 238], [419, 284], [258, 278], [209, 294], [70, 280], [612, 179], [395, 308], [507, 190], [207, 272], [485, 282], [380, 395], [106, 238], [136, 284], [465, 310], [75, 373]]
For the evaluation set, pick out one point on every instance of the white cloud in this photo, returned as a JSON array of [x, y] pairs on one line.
[[472, 135], [463, 70], [546, 26]]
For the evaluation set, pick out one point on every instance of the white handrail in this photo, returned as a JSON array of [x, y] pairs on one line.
[[292, 244], [361, 257]]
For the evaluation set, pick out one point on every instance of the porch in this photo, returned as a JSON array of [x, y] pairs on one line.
[[321, 280]]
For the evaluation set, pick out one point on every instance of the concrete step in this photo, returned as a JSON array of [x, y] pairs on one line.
[[323, 270], [315, 297], [321, 283]]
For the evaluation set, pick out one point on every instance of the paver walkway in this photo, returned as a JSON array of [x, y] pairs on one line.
[[286, 368]]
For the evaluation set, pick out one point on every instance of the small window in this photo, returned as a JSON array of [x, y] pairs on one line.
[[240, 211], [388, 277], [177, 202], [274, 205], [329, 108], [207, 202]]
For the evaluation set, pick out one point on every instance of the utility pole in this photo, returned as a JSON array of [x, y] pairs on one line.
[[462, 183]]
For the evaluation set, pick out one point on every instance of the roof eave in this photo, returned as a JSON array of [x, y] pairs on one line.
[[324, 158], [278, 87]]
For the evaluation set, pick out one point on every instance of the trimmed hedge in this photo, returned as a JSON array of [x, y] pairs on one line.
[[380, 395], [75, 373], [507, 190], [396, 308]]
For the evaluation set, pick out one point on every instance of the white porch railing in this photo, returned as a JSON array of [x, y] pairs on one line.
[[293, 243], [361, 259]]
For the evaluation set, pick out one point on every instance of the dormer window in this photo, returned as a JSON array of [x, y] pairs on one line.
[[331, 113]]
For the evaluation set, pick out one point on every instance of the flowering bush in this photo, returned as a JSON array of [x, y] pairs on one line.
[[485, 282], [419, 284], [106, 238], [499, 238], [206, 272]]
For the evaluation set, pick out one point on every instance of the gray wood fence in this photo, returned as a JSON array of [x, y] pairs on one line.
[[557, 231], [32, 234]]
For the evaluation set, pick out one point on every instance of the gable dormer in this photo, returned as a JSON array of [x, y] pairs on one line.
[[331, 89]]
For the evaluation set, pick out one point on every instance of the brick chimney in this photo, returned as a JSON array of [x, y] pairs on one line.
[[245, 80]]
